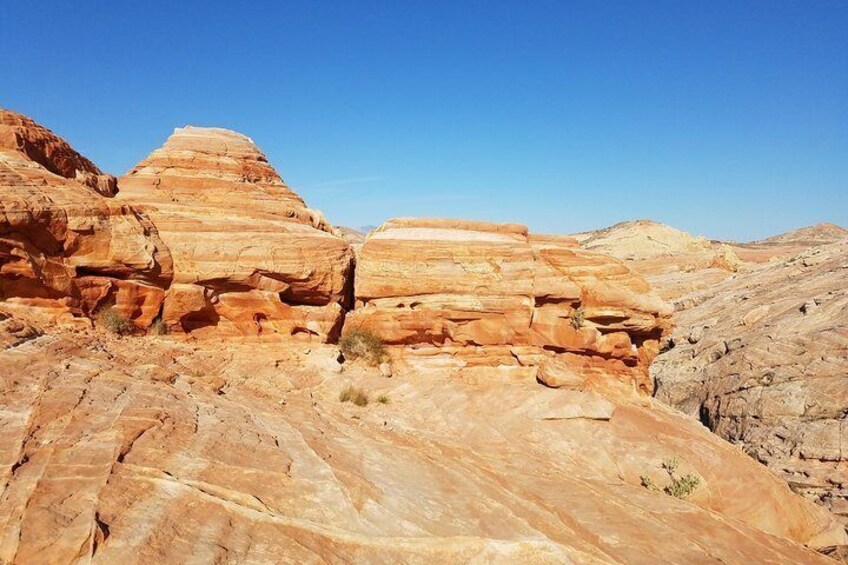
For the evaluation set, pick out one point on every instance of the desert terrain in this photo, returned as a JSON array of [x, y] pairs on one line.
[[198, 367]]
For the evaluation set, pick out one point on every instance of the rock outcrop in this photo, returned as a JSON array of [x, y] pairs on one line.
[[451, 287], [65, 248], [762, 359], [673, 261], [149, 449], [249, 256]]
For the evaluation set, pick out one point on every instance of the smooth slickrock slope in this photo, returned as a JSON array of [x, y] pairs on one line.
[[763, 360], [249, 256], [451, 287], [163, 450], [673, 261], [65, 247]]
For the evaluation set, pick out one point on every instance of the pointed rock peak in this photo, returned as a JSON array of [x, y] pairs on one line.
[[22, 136], [219, 153], [220, 169]]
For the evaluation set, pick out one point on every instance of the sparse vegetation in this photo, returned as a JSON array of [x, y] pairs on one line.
[[115, 322], [679, 486], [578, 316], [383, 398], [354, 395], [158, 327], [362, 344]]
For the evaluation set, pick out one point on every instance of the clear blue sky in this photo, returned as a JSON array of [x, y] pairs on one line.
[[724, 118]]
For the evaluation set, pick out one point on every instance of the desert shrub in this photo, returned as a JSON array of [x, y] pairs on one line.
[[362, 344], [578, 316], [678, 486], [115, 322], [158, 327], [354, 395], [383, 398]]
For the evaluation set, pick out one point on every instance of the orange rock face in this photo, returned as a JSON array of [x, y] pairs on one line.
[[457, 284], [64, 247], [249, 256]]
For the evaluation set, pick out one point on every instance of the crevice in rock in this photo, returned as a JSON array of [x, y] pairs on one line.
[[101, 534]]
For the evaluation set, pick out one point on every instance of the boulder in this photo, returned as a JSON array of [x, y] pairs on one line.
[[66, 248], [249, 256]]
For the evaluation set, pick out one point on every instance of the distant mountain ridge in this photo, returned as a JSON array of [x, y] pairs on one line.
[[816, 234]]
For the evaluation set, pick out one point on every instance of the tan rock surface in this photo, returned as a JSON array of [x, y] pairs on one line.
[[786, 245], [249, 256], [818, 234], [762, 359], [157, 450], [455, 284], [353, 236], [674, 262], [64, 247]]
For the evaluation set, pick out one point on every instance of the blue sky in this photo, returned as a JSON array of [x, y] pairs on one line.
[[724, 118]]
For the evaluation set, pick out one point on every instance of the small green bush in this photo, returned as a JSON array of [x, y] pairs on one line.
[[578, 316], [115, 322], [354, 395], [383, 398], [362, 344], [678, 487]]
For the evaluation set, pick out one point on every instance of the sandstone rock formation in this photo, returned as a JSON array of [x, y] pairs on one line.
[[762, 359], [153, 449], [789, 244], [65, 248], [673, 261], [150, 450], [450, 287], [249, 256]]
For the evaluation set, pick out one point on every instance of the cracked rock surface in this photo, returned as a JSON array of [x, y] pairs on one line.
[[762, 359]]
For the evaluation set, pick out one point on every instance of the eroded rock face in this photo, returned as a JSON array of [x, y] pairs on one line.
[[249, 256], [458, 286], [762, 359], [148, 449], [64, 247]]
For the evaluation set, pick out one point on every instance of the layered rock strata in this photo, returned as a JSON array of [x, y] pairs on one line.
[[65, 248], [451, 287], [763, 361], [249, 256]]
